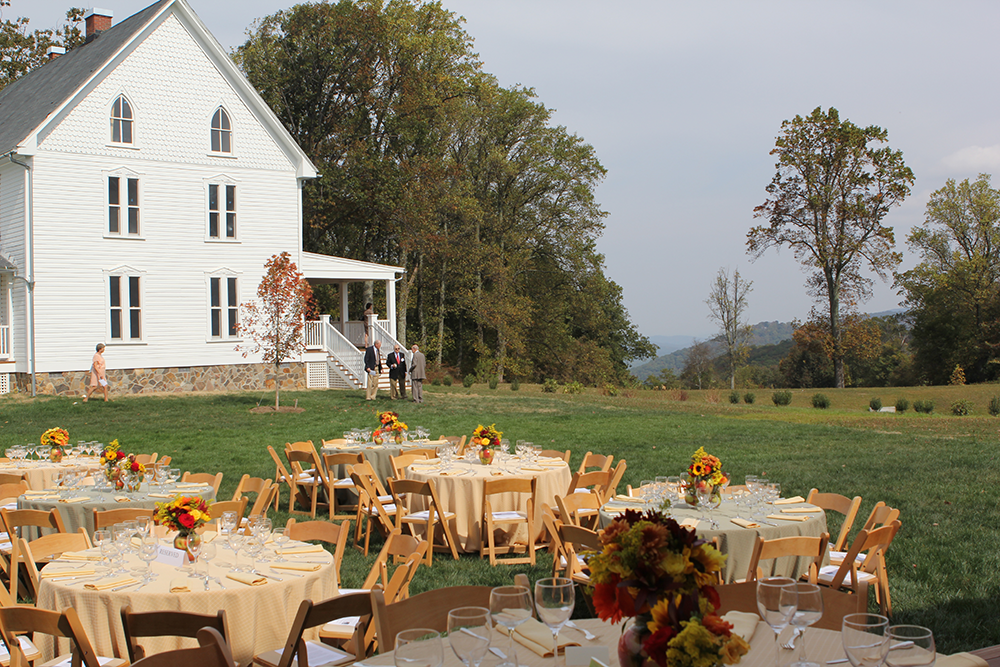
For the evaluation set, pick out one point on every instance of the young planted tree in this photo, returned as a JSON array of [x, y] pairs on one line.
[[274, 322], [834, 185], [727, 303]]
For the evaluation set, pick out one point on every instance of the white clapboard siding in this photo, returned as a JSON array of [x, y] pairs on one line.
[[12, 247]]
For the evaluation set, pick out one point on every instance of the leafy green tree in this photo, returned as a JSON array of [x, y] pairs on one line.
[[22, 49], [727, 303], [834, 184], [698, 369]]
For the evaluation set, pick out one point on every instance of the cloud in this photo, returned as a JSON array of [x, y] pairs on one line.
[[974, 159]]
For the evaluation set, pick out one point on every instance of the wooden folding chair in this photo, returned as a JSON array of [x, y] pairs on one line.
[[311, 615], [214, 481], [212, 652], [146, 459], [881, 515], [108, 518], [166, 624], [264, 501], [871, 571], [457, 440], [301, 446], [597, 481], [12, 491], [552, 525], [308, 479], [491, 519], [27, 554], [427, 610], [834, 502], [803, 546], [13, 478], [248, 484], [403, 461], [332, 463], [575, 539], [616, 478], [238, 506], [322, 531], [599, 461], [23, 619], [580, 509], [555, 454], [371, 507], [402, 490], [742, 596], [400, 547], [426, 452], [281, 476]]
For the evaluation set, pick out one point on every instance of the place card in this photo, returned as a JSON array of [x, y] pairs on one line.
[[584, 656], [170, 556]]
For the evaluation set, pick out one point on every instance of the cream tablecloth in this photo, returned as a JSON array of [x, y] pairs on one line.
[[460, 490], [737, 542], [39, 473], [258, 617], [380, 456], [77, 515]]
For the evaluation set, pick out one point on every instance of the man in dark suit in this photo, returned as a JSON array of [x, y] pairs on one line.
[[397, 373], [373, 369]]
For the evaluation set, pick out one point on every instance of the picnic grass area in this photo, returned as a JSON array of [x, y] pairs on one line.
[[941, 471]]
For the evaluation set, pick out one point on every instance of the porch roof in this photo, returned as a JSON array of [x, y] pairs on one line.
[[323, 269], [6, 266]]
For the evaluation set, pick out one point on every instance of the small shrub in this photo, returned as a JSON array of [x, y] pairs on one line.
[[961, 408], [610, 390], [515, 385], [468, 381], [550, 386], [820, 401], [923, 406], [957, 376], [436, 382], [734, 397], [875, 404], [749, 398], [573, 388], [902, 405], [448, 381], [678, 395], [494, 382], [781, 397], [995, 406]]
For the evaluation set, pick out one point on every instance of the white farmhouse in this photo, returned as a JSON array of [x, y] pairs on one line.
[[143, 185]]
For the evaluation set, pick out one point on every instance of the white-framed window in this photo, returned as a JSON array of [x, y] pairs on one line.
[[125, 288], [122, 121], [223, 305], [123, 205], [222, 132], [222, 209]]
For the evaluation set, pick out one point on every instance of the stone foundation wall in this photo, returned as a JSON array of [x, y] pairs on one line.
[[238, 377]]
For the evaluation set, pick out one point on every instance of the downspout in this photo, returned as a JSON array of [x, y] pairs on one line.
[[29, 260]]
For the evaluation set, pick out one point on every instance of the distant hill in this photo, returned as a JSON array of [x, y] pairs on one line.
[[668, 344], [764, 333]]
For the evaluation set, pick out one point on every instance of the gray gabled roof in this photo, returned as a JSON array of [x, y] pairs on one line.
[[27, 102]]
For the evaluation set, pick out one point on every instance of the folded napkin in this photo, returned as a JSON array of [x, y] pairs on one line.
[[295, 567], [551, 464], [960, 660], [89, 554], [39, 492], [45, 497], [789, 501], [160, 495], [425, 466], [788, 517], [690, 523], [548, 459], [622, 496], [620, 509], [744, 623], [189, 485], [533, 469], [180, 585], [114, 583], [122, 499], [801, 510], [49, 573], [305, 549], [743, 523], [536, 636], [247, 578], [81, 499]]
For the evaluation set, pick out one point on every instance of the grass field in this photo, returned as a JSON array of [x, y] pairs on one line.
[[941, 471]]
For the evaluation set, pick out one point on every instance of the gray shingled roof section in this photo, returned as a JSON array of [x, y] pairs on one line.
[[25, 103], [6, 264]]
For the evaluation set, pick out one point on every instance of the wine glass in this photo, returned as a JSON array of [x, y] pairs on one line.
[[554, 600], [236, 541], [777, 599], [808, 611], [208, 552], [102, 537], [469, 630], [510, 606], [919, 650], [418, 647], [148, 552], [865, 638], [194, 550], [281, 538]]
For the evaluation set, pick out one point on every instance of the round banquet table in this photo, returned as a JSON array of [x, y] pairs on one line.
[[257, 617], [39, 473], [460, 490], [380, 456], [77, 513], [738, 542]]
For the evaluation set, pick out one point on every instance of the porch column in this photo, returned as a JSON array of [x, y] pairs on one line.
[[343, 308], [390, 305]]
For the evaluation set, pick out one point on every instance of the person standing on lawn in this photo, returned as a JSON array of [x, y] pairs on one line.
[[373, 369], [397, 374], [418, 373], [98, 375]]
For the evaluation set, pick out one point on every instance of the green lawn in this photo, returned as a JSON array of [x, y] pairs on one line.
[[939, 470]]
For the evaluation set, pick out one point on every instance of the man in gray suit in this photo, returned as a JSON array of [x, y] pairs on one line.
[[418, 373]]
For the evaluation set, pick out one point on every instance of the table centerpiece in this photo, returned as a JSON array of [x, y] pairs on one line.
[[185, 514], [705, 474], [390, 427], [57, 438], [487, 439], [660, 574]]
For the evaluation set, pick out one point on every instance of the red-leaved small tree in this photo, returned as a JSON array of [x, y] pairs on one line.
[[274, 322]]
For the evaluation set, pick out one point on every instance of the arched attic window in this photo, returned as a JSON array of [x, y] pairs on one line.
[[121, 121], [222, 132]]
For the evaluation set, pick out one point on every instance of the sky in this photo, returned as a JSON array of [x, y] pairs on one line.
[[682, 102]]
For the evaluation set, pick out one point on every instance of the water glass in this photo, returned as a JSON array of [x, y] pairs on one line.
[[777, 600], [918, 650], [809, 610], [510, 606], [865, 638], [469, 630], [554, 601], [418, 647]]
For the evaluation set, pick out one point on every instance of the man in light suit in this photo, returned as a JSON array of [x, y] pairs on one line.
[[418, 373], [397, 373], [373, 369]]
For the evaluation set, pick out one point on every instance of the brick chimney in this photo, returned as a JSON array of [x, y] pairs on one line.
[[98, 20], [54, 52]]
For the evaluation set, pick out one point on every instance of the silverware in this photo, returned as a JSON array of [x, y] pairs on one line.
[[498, 653], [790, 642], [125, 586], [891, 648], [287, 574], [588, 635], [268, 576]]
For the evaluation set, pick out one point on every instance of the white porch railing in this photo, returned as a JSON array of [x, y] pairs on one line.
[[4, 342], [314, 335]]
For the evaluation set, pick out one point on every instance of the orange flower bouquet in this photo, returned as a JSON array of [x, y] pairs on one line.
[[705, 473], [390, 426], [657, 572], [487, 438], [56, 438]]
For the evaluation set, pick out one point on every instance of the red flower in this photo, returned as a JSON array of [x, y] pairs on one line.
[[186, 520], [606, 602], [715, 624], [120, 455], [712, 595], [655, 645]]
